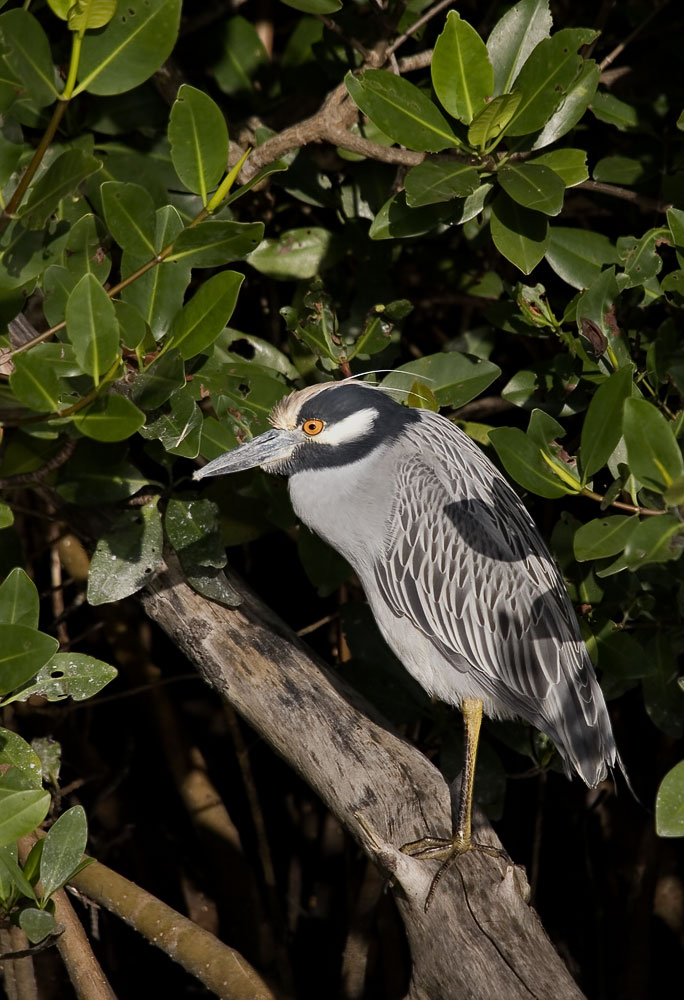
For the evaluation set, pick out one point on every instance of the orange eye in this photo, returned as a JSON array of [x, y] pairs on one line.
[[313, 427]]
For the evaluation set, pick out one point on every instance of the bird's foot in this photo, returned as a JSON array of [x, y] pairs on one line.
[[447, 851]]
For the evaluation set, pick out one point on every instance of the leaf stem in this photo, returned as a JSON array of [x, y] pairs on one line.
[[644, 511]]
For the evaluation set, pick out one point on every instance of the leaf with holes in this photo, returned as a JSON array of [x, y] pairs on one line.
[[70, 675], [178, 427], [126, 557]]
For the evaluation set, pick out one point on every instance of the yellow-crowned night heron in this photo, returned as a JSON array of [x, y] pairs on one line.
[[460, 582]]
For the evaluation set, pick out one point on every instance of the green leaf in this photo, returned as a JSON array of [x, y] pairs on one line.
[[36, 383], [130, 48], [243, 55], [129, 213], [433, 181], [216, 439], [214, 244], [462, 74], [315, 6], [109, 418], [132, 326], [669, 808], [400, 110], [523, 461], [603, 537], [202, 319], [657, 539], [94, 476], [21, 812], [618, 170], [641, 261], [573, 106], [675, 220], [178, 429], [60, 8], [158, 294], [23, 651], [578, 255], [14, 874], [92, 327], [15, 752], [602, 428], [546, 77], [533, 186], [158, 381], [61, 178], [6, 515], [296, 254], [569, 164], [36, 924], [397, 220], [514, 37], [454, 378], [19, 603], [126, 557], [63, 850], [194, 530], [27, 51], [70, 675], [652, 449], [519, 234], [85, 249], [493, 119], [199, 141], [613, 111], [87, 15]]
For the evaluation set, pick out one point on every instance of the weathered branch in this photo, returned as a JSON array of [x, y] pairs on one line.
[[480, 938]]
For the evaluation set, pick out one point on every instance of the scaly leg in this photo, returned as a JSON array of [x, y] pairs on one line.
[[448, 851]]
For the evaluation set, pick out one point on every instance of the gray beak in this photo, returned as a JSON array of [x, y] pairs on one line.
[[271, 446]]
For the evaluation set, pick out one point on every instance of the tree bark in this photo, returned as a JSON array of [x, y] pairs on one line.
[[480, 939]]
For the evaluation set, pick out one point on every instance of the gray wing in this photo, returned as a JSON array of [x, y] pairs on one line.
[[465, 564]]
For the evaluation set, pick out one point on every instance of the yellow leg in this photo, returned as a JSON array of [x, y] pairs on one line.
[[448, 851]]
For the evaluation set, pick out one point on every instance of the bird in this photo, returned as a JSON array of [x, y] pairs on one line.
[[461, 584]]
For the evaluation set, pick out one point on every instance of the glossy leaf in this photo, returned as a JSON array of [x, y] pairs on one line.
[[63, 850], [126, 557], [19, 603], [178, 427], [203, 318], [296, 254], [86, 249], [27, 51], [576, 101], [462, 74], [193, 528], [669, 808], [602, 428], [652, 449], [70, 675], [17, 753], [92, 327], [519, 234], [523, 461], [618, 170], [514, 37], [112, 417], [569, 164], [640, 257], [21, 812], [548, 74], [675, 220], [61, 178], [610, 109], [213, 244], [6, 515], [199, 141], [603, 537], [533, 186], [87, 15], [401, 110], [493, 119], [454, 378], [23, 651], [36, 924], [578, 255], [129, 212], [396, 219], [36, 383], [158, 381], [433, 181], [130, 48], [95, 479]]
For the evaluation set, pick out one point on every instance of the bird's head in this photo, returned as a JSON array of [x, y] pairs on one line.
[[326, 425]]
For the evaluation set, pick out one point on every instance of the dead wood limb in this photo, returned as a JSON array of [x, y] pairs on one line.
[[479, 939]]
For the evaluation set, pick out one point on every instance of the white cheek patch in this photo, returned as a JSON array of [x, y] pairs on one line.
[[348, 430]]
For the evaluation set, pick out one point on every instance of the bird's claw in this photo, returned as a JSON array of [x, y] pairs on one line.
[[447, 851]]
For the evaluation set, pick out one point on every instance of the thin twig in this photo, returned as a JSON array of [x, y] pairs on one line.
[[38, 475], [644, 511], [612, 56], [418, 24], [642, 201]]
